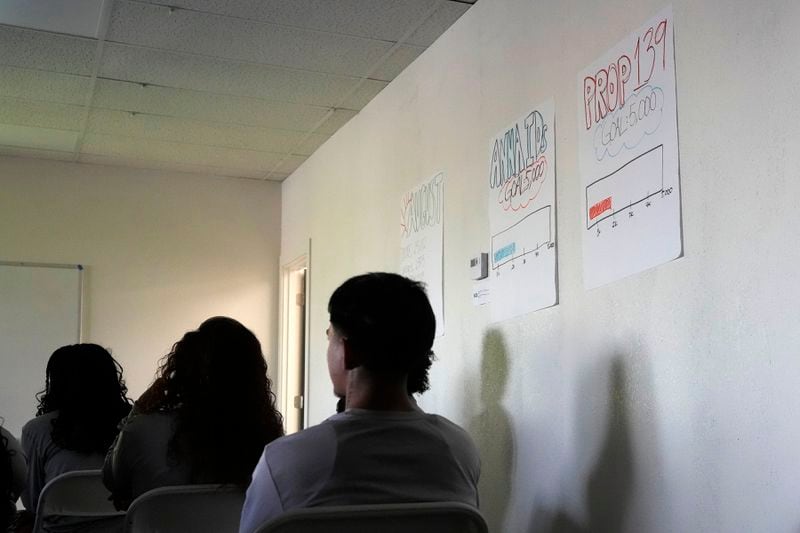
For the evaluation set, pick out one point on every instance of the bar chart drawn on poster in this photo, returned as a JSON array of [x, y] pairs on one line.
[[531, 235], [642, 181]]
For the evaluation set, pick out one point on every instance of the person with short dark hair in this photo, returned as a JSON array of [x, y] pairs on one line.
[[383, 448], [79, 409], [205, 419], [417, 383]]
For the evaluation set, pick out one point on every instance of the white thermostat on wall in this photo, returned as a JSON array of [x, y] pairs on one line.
[[479, 266]]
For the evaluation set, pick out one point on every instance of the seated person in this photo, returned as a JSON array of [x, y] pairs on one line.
[[13, 473], [382, 448], [83, 401], [205, 419]]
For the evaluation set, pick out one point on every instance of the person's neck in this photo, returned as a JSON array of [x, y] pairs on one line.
[[376, 392]]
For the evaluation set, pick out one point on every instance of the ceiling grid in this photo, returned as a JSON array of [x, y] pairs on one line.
[[246, 89]]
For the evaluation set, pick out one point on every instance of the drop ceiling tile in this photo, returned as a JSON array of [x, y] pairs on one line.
[[129, 147], [46, 51], [376, 19], [194, 132], [41, 114], [290, 164], [310, 145], [397, 62], [32, 153], [274, 176], [365, 92], [206, 106], [437, 24], [38, 138], [243, 40], [169, 166], [44, 86], [225, 77], [339, 118], [74, 17]]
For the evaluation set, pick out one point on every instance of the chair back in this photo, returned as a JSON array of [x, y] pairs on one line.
[[79, 494], [186, 508], [429, 517]]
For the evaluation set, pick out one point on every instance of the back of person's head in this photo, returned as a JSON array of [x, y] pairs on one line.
[[84, 385], [215, 379], [388, 319]]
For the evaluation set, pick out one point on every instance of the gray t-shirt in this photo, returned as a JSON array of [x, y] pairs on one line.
[[139, 461], [47, 460], [364, 457]]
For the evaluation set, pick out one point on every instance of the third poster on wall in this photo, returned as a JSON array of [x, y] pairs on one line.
[[422, 240], [628, 156], [522, 218]]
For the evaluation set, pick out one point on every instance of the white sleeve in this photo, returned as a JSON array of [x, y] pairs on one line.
[[262, 502]]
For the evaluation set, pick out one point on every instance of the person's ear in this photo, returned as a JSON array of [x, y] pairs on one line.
[[352, 359]]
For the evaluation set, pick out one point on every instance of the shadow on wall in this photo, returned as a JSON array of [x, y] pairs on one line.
[[610, 484], [491, 429]]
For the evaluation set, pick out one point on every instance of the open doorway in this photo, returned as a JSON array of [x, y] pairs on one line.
[[294, 277]]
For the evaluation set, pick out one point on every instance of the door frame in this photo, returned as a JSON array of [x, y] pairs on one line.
[[287, 300]]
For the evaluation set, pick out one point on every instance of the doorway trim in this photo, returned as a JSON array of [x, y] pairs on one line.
[[287, 324]]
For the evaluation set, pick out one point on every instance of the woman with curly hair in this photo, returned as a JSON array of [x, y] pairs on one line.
[[82, 403], [205, 419]]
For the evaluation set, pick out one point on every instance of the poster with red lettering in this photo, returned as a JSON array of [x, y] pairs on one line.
[[522, 215], [422, 240], [628, 156]]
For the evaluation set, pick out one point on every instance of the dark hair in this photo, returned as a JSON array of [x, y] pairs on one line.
[[215, 379], [6, 483], [389, 320], [84, 384]]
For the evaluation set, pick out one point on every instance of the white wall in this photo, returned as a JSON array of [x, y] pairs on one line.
[[162, 251], [664, 402]]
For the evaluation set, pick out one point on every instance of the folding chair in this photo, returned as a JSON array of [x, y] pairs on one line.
[[79, 494], [186, 509], [429, 517]]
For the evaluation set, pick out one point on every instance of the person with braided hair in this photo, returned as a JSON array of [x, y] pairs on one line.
[[382, 448]]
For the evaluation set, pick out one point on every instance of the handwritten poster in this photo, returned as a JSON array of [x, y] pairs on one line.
[[522, 219], [628, 153], [421, 240]]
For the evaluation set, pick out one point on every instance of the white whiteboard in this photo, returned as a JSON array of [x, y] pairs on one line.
[[40, 310]]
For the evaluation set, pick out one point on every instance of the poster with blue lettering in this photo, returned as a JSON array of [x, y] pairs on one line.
[[421, 240], [628, 156], [522, 215]]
